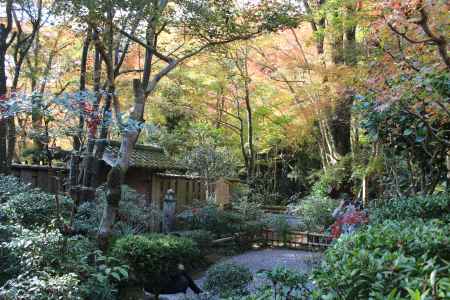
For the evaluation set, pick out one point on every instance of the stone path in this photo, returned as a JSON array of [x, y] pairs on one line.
[[256, 260]]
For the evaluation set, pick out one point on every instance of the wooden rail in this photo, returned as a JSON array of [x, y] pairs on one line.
[[274, 209], [296, 239], [292, 239]]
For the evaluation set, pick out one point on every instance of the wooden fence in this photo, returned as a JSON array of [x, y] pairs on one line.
[[296, 239], [188, 189], [42, 177], [153, 186], [293, 239]]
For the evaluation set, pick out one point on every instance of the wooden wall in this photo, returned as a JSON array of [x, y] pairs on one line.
[[42, 177], [188, 189]]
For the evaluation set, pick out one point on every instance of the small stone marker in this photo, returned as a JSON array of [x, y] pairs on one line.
[[169, 211]]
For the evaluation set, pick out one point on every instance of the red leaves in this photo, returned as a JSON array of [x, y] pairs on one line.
[[350, 218], [92, 117]]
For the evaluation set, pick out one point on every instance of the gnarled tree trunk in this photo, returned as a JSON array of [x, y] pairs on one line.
[[118, 171]]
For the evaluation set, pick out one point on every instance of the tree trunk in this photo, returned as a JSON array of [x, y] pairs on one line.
[[83, 74], [118, 171], [340, 126], [3, 120], [37, 120], [251, 148], [11, 145]]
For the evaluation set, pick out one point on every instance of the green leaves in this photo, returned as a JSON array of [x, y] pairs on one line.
[[154, 258], [398, 256], [228, 280]]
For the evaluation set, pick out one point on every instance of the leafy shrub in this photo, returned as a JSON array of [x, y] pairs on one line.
[[35, 249], [389, 259], [315, 212], [434, 206], [87, 217], [45, 252], [210, 218], [132, 218], [34, 207], [10, 186], [201, 237], [336, 179], [228, 280], [154, 258], [284, 284], [8, 261], [221, 222], [101, 276], [281, 227], [42, 286]]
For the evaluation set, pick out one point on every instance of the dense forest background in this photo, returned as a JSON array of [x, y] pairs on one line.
[[327, 97]]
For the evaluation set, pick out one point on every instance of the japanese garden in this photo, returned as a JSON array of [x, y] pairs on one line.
[[224, 149]]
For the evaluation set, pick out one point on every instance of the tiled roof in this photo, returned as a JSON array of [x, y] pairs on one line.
[[143, 156]]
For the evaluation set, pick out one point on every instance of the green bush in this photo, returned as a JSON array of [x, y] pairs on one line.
[[335, 179], [388, 260], [10, 186], [315, 212], [284, 284], [87, 218], [34, 207], [429, 207], [210, 218], [132, 217], [221, 222], [45, 255], [281, 226], [202, 238], [228, 280], [42, 286], [8, 261], [154, 258]]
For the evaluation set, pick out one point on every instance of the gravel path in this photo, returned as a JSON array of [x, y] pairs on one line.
[[256, 260]]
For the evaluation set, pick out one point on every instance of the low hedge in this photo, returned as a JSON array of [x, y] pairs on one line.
[[386, 260], [202, 238], [423, 207], [403, 253], [228, 280], [154, 258]]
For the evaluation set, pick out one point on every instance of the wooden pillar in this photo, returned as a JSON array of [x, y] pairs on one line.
[[222, 192]]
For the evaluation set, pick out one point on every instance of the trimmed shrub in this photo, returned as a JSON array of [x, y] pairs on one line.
[[228, 280], [284, 284], [391, 259], [429, 207], [202, 238], [154, 258], [221, 222]]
